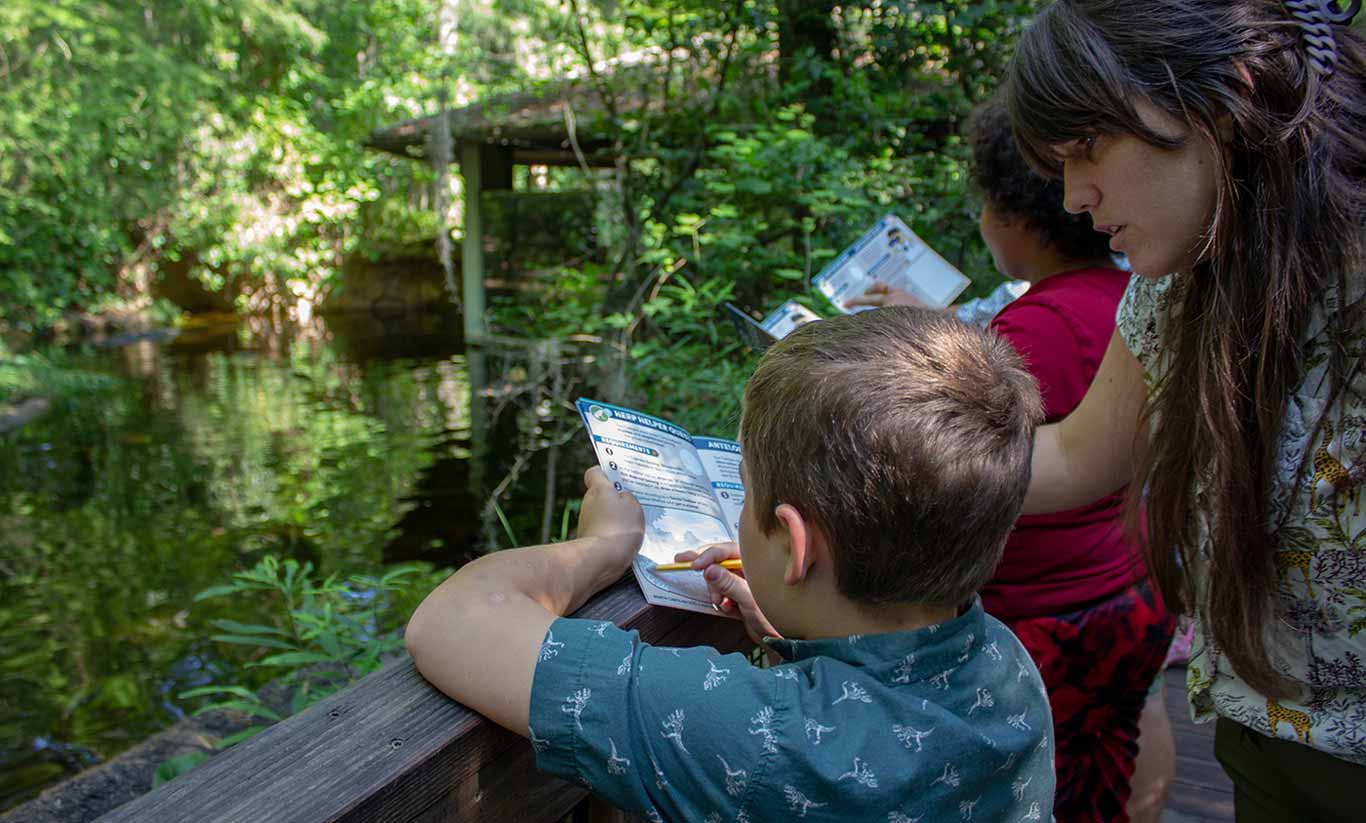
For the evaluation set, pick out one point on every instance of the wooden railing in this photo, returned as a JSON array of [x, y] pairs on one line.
[[392, 748]]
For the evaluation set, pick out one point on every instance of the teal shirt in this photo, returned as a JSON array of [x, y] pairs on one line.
[[945, 723]]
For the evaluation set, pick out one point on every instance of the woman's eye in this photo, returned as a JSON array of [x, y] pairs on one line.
[[1076, 149]]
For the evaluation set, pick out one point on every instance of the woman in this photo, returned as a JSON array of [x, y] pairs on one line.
[[1069, 584], [1224, 143]]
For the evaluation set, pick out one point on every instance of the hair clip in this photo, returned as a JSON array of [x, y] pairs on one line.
[[1316, 19], [1343, 17]]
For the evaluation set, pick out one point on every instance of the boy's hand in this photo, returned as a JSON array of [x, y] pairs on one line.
[[879, 294], [614, 517], [729, 592]]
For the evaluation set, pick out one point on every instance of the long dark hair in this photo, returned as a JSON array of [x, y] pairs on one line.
[[1287, 230]]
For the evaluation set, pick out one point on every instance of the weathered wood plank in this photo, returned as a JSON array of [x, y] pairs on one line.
[[1197, 804], [507, 788], [392, 748], [472, 249], [1200, 792]]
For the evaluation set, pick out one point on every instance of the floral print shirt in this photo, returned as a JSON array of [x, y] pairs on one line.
[[946, 723], [1319, 622]]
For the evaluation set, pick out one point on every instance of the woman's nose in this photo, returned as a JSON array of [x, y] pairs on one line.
[[1079, 193]]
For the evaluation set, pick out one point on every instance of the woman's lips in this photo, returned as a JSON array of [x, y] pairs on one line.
[[1114, 231]]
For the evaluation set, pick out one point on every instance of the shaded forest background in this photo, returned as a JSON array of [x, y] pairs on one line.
[[223, 141], [220, 146]]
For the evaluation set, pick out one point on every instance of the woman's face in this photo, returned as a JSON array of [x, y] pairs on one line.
[[1156, 204]]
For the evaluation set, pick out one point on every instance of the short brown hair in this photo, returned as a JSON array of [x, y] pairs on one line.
[[905, 436]]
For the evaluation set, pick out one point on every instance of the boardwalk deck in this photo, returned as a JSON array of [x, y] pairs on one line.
[[1201, 792]]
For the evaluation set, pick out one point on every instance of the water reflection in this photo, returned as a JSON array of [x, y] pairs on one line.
[[347, 442]]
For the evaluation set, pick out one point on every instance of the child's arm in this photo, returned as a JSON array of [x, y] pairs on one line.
[[881, 294], [477, 637]]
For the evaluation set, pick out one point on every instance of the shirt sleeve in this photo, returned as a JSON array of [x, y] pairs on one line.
[[1139, 318], [1051, 350], [657, 731]]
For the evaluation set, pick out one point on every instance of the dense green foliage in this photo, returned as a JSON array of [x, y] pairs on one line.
[[739, 182], [223, 138], [221, 135]]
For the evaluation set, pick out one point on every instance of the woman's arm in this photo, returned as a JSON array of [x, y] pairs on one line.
[[1090, 453]]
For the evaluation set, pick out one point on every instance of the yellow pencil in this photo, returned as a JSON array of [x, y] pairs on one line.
[[687, 567]]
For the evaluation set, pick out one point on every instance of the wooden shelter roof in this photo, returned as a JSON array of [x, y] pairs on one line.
[[535, 125]]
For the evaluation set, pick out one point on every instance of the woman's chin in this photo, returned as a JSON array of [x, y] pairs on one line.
[[1149, 268]]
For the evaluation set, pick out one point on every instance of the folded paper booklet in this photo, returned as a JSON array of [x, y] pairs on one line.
[[890, 254], [779, 323], [689, 487]]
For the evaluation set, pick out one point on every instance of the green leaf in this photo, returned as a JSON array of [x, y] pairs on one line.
[[328, 642], [252, 640], [218, 591], [398, 574], [238, 737], [247, 628], [507, 527], [174, 767], [202, 691], [293, 659], [246, 707]]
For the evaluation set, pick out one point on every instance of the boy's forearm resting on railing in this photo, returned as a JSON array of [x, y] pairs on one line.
[[478, 635]]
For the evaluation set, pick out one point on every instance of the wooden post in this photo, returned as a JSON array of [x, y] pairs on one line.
[[472, 249], [477, 369]]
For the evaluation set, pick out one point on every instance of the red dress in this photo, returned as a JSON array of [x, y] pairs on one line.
[[1070, 585]]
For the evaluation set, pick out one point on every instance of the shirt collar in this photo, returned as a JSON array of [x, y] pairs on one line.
[[942, 640]]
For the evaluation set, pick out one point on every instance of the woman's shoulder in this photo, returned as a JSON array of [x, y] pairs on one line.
[[1141, 315]]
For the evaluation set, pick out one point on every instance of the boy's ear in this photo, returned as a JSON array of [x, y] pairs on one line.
[[805, 543]]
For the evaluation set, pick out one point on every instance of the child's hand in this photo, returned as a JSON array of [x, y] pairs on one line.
[[729, 592], [613, 516], [879, 294]]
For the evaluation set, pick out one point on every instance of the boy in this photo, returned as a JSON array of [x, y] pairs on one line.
[[886, 457]]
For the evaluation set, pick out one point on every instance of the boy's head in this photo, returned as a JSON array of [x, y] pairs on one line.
[[903, 437]]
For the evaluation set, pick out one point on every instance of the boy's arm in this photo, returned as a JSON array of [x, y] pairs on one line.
[[477, 637]]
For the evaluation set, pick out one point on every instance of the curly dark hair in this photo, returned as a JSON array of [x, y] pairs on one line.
[[1003, 177]]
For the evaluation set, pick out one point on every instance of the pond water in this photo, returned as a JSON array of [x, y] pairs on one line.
[[351, 443]]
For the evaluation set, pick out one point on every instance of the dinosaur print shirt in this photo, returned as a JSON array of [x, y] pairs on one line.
[[946, 723], [1319, 540]]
